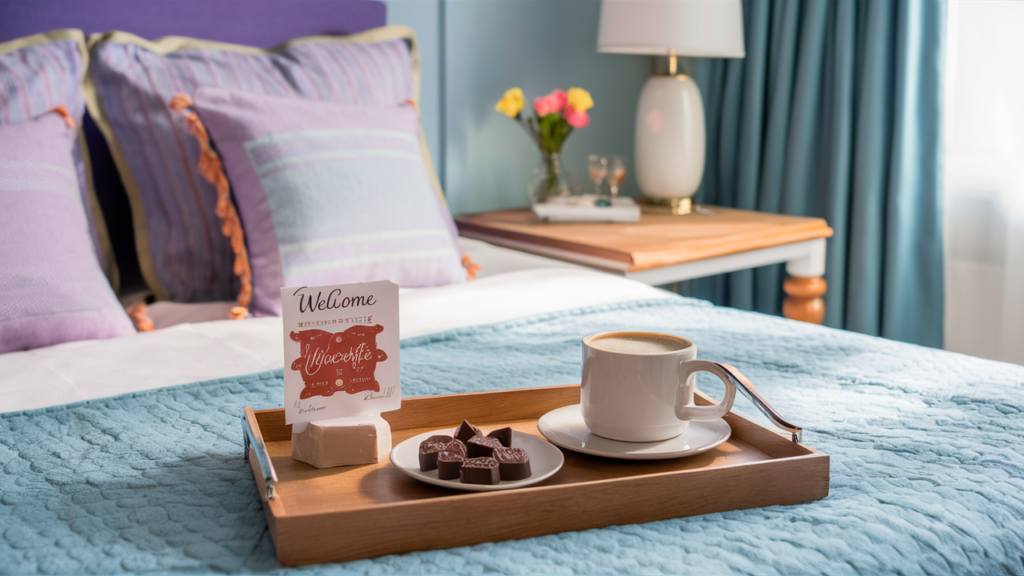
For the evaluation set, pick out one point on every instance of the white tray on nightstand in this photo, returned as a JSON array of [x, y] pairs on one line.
[[582, 209]]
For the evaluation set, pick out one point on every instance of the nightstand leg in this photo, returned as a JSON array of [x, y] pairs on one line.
[[803, 301], [806, 286]]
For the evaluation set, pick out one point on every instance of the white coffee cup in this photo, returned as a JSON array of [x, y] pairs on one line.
[[638, 386]]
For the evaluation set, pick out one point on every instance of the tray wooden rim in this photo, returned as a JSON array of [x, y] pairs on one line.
[[791, 473]]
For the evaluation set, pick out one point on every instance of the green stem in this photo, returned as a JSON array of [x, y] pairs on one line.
[[551, 185]]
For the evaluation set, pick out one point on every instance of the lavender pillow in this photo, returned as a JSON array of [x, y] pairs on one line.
[[131, 81], [330, 193], [52, 289], [37, 74]]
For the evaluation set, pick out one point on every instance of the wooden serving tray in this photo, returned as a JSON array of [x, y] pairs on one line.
[[354, 512]]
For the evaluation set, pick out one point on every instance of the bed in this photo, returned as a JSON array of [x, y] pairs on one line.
[[123, 455]]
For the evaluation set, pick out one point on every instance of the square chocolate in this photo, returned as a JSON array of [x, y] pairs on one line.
[[465, 431], [513, 463], [429, 449], [482, 446], [449, 464], [504, 435], [480, 471]]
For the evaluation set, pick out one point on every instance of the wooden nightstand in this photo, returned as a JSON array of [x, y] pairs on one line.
[[662, 248]]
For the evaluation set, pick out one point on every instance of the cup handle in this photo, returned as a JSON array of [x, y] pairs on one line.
[[684, 394]]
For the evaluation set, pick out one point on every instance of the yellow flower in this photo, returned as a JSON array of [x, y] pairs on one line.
[[511, 103], [579, 99]]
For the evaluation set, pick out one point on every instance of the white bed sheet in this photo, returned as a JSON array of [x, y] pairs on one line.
[[201, 351], [493, 260]]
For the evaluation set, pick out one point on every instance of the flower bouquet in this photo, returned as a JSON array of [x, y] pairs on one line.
[[555, 117]]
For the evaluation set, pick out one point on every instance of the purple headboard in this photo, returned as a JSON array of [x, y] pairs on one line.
[[262, 23]]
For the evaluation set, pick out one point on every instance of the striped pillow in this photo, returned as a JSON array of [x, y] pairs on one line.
[[37, 74], [182, 253], [330, 193], [51, 287]]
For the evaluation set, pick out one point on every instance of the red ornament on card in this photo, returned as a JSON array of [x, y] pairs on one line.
[[338, 362]]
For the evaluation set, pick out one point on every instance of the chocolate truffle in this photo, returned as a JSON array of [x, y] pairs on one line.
[[504, 435], [457, 447], [429, 449], [480, 471], [513, 463], [449, 463], [465, 431], [482, 446], [439, 438]]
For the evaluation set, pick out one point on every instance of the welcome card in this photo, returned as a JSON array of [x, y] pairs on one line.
[[340, 351]]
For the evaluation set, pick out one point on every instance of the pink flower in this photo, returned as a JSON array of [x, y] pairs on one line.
[[550, 104], [576, 118], [559, 97]]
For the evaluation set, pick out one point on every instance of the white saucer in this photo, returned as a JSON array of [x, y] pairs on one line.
[[545, 460], [565, 427]]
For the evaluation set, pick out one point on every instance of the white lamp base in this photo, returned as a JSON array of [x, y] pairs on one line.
[[670, 138]]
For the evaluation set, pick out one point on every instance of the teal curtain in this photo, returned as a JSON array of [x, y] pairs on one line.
[[835, 112]]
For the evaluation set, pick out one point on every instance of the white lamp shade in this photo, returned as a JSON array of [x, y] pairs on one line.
[[702, 28]]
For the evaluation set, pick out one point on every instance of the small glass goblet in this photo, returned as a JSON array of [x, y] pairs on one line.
[[597, 166], [616, 174]]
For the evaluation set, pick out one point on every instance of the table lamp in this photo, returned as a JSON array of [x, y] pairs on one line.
[[670, 115]]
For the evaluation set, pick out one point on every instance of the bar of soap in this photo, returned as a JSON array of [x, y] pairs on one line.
[[480, 471], [343, 441], [513, 463]]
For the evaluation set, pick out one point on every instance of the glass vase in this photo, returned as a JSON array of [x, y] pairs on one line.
[[549, 180]]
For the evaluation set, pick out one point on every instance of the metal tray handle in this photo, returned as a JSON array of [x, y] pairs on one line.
[[747, 389], [262, 456]]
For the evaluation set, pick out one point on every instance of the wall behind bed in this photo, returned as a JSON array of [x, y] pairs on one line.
[[473, 50]]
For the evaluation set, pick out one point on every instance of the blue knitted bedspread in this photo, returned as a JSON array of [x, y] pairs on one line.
[[927, 467]]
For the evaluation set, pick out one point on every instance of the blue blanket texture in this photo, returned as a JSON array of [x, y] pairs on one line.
[[927, 466]]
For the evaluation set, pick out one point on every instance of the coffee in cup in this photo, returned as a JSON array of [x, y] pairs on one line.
[[638, 343]]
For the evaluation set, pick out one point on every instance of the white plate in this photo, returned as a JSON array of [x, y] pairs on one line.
[[565, 427], [545, 460]]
